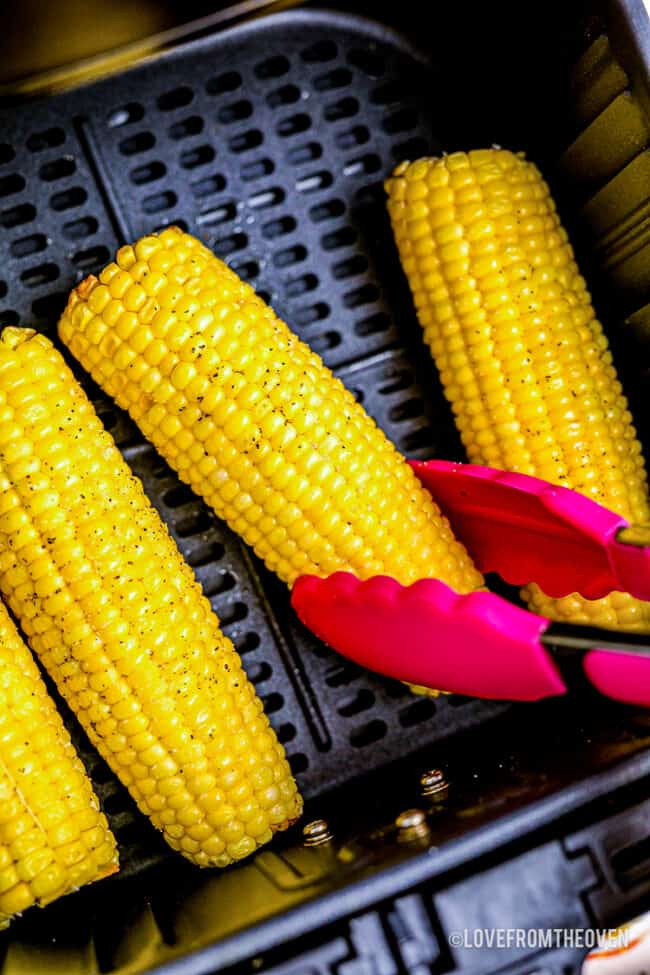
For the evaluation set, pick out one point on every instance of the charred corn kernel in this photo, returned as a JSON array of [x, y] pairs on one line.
[[257, 425], [39, 771], [118, 619], [522, 357]]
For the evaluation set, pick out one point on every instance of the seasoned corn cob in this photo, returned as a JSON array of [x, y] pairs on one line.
[[120, 623], [53, 836], [521, 355], [253, 420]]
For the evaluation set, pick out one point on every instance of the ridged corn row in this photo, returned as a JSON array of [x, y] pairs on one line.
[[119, 621], [253, 420], [53, 836], [522, 358]]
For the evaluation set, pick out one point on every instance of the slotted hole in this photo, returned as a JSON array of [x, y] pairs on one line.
[[265, 296], [233, 242], [308, 152], [401, 121], [364, 295], [194, 523], [16, 216], [8, 317], [34, 277], [206, 187], [148, 173], [78, 229], [293, 124], [247, 269], [217, 215], [115, 803], [300, 286], [368, 733], [358, 135], [259, 672], [257, 169], [228, 81], [68, 199], [343, 108], [290, 255], [234, 613], [218, 584], [47, 139], [298, 763], [370, 163], [370, 195], [285, 95], [405, 411], [336, 78], [57, 169], [159, 201], [422, 439], [342, 237], [186, 127], [139, 142], [203, 554], [310, 314], [361, 701], [235, 112], [246, 643], [278, 228], [411, 149], [92, 257], [396, 382], [286, 733], [244, 141], [273, 67], [132, 112], [273, 702], [29, 245], [3, 289], [370, 61], [313, 182], [341, 675], [102, 774], [132, 833], [6, 153], [392, 91], [417, 712], [49, 306], [347, 268], [197, 156], [267, 198], [179, 495], [325, 342], [372, 325], [327, 210], [176, 98], [11, 184], [320, 52]]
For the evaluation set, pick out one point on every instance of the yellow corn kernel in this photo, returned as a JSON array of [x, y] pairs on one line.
[[117, 617], [522, 357], [258, 426], [39, 769]]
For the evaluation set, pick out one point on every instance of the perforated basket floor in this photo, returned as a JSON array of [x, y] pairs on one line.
[[270, 142]]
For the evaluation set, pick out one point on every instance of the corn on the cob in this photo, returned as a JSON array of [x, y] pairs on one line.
[[522, 358], [121, 624], [253, 420], [53, 836]]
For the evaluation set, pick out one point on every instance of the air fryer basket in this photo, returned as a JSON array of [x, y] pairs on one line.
[[270, 141]]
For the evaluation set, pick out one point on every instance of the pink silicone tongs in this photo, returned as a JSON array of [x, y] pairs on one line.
[[479, 644]]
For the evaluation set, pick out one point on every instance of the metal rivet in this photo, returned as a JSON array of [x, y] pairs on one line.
[[433, 783], [412, 824], [316, 833]]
